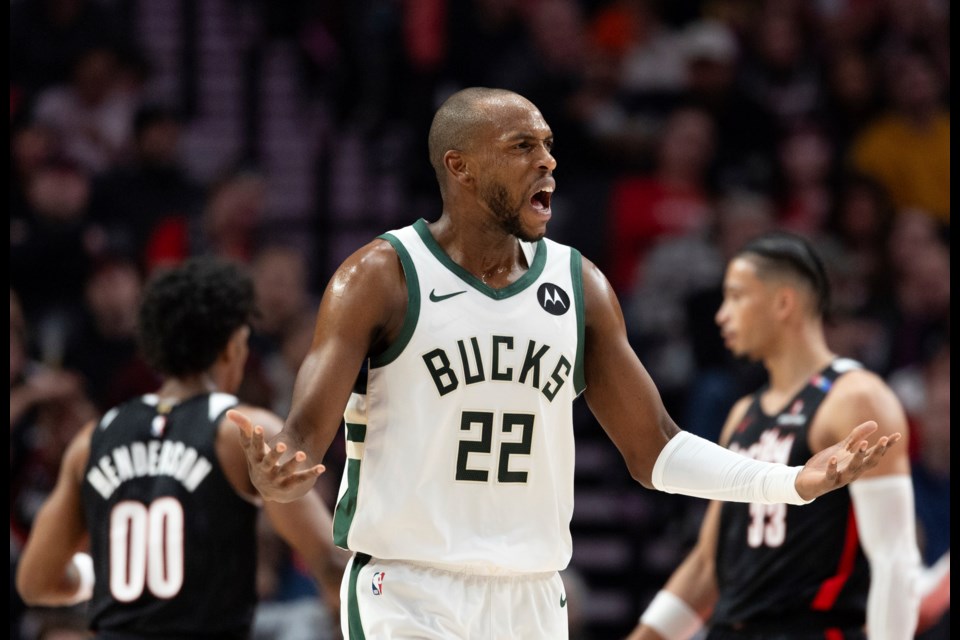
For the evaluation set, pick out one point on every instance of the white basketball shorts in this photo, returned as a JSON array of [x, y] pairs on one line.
[[396, 600]]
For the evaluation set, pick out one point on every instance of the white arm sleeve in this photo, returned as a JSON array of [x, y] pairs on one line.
[[694, 466], [887, 527], [671, 617]]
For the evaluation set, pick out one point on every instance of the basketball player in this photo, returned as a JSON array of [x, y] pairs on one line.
[[479, 334], [160, 483], [778, 571]]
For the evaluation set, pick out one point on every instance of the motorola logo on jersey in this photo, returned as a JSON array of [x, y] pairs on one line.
[[553, 299]]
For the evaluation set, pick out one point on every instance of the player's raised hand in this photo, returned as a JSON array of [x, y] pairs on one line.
[[276, 476], [842, 463]]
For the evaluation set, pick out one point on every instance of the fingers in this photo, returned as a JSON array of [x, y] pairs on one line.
[[860, 452], [257, 446], [288, 470], [272, 456], [860, 432], [307, 474], [832, 471], [267, 458], [242, 422], [864, 456], [880, 449], [290, 465], [251, 437]]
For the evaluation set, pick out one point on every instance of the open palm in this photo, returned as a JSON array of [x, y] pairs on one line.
[[840, 464]]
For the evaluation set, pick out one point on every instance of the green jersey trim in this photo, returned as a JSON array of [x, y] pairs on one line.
[[413, 304], [347, 507], [356, 432], [539, 260], [576, 275], [354, 624]]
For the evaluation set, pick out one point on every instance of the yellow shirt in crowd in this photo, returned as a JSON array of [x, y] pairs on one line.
[[912, 163]]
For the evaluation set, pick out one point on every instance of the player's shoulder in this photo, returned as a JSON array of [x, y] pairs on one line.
[[856, 381], [374, 265], [856, 396], [376, 254]]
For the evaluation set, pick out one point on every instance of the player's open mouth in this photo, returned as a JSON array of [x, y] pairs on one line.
[[541, 200]]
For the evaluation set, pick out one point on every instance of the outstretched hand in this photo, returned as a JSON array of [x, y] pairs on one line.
[[842, 463], [275, 480]]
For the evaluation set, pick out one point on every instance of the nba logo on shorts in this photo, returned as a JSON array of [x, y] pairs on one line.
[[377, 583]]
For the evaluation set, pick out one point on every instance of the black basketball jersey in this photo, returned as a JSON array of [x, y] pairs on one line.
[[781, 566], [173, 544]]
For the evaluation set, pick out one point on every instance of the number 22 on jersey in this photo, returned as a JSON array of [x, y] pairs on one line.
[[485, 445]]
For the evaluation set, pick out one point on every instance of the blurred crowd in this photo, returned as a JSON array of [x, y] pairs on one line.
[[683, 128]]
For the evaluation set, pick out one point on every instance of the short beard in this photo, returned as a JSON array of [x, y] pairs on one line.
[[495, 196]]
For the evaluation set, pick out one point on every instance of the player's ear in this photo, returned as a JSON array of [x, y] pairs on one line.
[[456, 165], [785, 301], [237, 348]]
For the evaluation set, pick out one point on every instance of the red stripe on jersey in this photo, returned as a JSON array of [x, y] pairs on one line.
[[830, 588]]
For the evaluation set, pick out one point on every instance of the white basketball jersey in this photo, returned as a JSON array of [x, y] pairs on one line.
[[460, 453]]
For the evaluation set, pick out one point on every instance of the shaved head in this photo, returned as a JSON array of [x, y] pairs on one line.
[[458, 120]]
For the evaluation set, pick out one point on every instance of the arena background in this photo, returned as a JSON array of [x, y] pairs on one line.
[[287, 134]]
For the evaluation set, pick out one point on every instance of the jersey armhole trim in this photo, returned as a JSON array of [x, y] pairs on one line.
[[576, 276], [412, 315]]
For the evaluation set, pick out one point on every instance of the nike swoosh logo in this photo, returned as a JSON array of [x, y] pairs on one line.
[[563, 600], [435, 298]]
